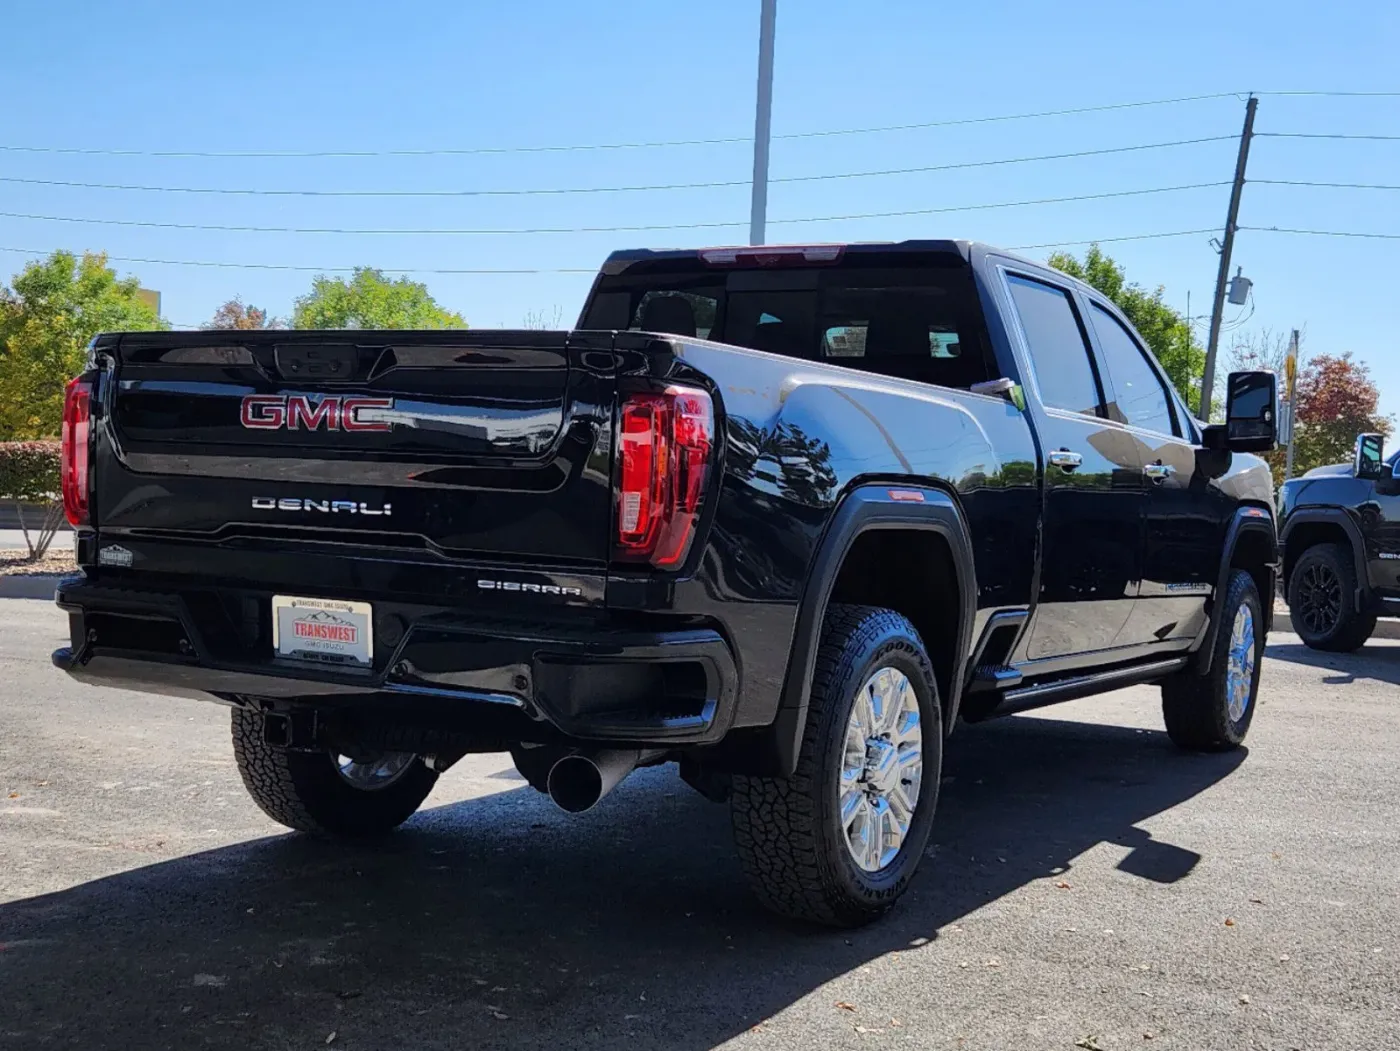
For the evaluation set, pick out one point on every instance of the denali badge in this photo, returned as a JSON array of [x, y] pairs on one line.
[[325, 507], [535, 589], [271, 412]]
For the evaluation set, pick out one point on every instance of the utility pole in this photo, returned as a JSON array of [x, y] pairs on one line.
[[763, 121], [1226, 246], [1290, 377]]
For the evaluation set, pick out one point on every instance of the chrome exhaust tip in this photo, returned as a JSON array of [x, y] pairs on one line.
[[577, 782]]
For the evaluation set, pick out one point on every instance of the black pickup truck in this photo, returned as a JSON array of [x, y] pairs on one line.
[[1340, 540], [781, 515]]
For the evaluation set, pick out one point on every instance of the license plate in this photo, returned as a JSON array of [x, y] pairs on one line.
[[325, 630]]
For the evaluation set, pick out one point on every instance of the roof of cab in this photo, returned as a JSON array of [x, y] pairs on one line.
[[620, 261]]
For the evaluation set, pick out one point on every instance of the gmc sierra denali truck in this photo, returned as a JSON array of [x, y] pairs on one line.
[[780, 515], [1340, 539]]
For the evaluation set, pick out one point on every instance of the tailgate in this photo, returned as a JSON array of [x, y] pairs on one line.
[[459, 445]]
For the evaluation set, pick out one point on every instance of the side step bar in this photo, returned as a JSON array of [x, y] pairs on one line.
[[1040, 694]]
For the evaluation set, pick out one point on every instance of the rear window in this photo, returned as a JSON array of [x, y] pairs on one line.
[[921, 324]]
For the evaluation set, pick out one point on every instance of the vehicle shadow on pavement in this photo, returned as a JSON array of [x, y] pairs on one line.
[[500, 923], [1380, 663]]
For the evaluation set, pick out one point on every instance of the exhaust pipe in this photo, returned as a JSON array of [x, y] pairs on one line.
[[577, 782]]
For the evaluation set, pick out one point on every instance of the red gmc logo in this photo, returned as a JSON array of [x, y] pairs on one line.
[[271, 412]]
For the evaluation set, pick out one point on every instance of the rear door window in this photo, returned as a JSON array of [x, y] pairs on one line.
[[1060, 358]]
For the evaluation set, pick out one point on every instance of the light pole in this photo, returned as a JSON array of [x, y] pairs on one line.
[[763, 121]]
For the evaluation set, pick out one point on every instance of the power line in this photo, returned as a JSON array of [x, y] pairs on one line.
[[318, 269], [472, 271], [613, 189], [591, 270], [1322, 233], [1329, 185], [1110, 240], [720, 141], [512, 271], [1335, 94], [225, 228], [1324, 135], [1006, 117]]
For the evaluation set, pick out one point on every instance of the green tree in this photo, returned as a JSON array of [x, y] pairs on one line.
[[47, 318], [1167, 332], [371, 300]]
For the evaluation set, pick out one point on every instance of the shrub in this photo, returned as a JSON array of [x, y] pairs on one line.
[[29, 471]]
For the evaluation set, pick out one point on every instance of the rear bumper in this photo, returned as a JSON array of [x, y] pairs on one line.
[[595, 682]]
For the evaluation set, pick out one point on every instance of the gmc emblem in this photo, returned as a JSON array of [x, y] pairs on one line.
[[271, 412]]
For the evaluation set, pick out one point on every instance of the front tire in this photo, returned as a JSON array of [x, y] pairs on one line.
[[1213, 712], [838, 842], [1322, 600], [326, 794]]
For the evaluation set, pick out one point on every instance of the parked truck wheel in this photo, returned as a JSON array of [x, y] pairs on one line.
[[326, 794], [839, 840], [1212, 712], [1322, 600]]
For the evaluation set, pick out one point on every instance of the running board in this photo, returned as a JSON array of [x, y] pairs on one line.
[[1037, 695]]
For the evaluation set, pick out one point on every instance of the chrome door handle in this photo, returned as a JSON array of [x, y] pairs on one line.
[[1159, 472], [1064, 459]]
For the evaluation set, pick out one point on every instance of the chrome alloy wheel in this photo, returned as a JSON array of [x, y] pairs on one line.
[[882, 769], [1239, 673], [371, 775]]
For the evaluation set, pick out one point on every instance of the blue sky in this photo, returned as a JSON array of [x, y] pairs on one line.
[[356, 76]]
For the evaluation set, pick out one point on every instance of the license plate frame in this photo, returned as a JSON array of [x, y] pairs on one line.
[[330, 632]]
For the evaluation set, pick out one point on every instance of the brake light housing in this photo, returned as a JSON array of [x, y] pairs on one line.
[[75, 450], [772, 255], [665, 453]]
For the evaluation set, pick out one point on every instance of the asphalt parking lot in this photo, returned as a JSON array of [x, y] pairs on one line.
[[1089, 886]]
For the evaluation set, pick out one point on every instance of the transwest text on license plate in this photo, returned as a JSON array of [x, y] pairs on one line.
[[322, 630]]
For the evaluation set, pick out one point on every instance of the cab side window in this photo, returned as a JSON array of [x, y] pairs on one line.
[[1140, 398]]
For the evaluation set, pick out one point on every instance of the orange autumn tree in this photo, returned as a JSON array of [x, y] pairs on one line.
[[1337, 400]]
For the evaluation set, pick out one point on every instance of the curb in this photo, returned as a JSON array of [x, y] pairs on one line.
[[30, 585], [33, 514], [1385, 629]]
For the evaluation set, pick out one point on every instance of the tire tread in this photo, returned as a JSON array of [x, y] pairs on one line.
[[776, 819], [1196, 718], [1355, 627], [302, 790]]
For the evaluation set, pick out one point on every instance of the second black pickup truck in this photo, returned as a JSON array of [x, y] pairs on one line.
[[782, 515], [1340, 542]]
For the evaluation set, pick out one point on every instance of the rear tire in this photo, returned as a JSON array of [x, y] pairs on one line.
[[1322, 600], [1213, 712], [306, 791], [836, 843]]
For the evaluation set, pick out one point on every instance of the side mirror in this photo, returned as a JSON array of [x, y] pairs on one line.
[[1251, 412], [1367, 456]]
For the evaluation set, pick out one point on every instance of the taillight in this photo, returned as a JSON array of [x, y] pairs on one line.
[[73, 468], [666, 440]]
